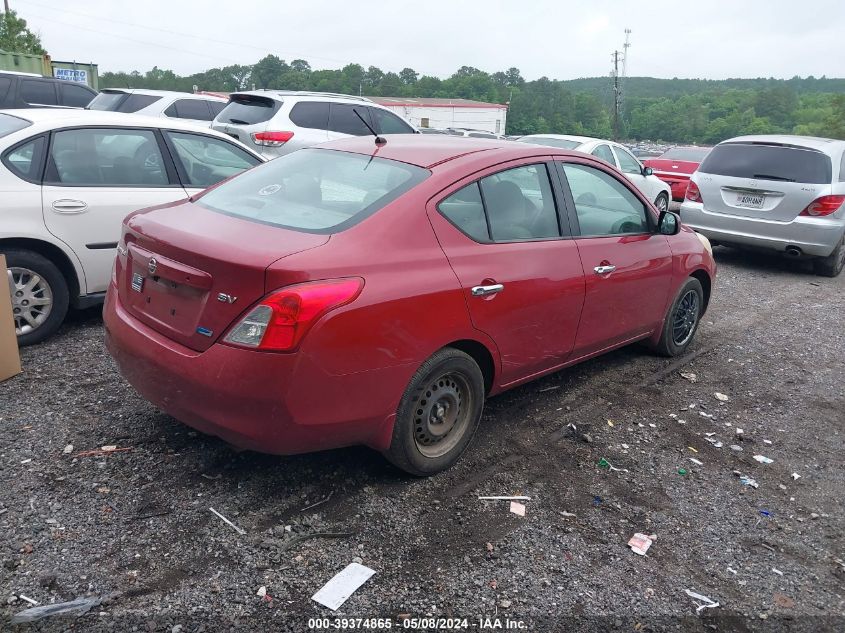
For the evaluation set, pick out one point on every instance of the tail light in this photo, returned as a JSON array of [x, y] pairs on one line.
[[693, 194], [280, 320], [271, 139], [823, 206]]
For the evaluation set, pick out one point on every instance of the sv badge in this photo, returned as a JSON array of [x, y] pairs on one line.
[[222, 297]]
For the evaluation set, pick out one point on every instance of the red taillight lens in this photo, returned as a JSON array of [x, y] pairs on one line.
[[271, 139], [692, 194], [823, 206], [280, 320]]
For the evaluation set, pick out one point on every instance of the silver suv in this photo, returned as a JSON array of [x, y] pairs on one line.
[[276, 122], [783, 193]]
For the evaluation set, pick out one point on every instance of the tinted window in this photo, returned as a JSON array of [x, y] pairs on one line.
[[248, 110], [388, 123], [551, 142], [25, 160], [603, 204], [480, 135], [5, 82], [691, 154], [189, 109], [319, 191], [216, 107], [342, 118], [768, 162], [133, 103], [121, 102], [311, 114], [75, 96], [520, 204], [603, 152], [628, 163], [100, 157], [36, 92], [465, 210], [841, 169], [9, 124], [207, 160]]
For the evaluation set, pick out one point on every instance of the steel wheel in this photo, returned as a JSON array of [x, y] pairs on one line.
[[686, 318], [32, 299], [443, 413]]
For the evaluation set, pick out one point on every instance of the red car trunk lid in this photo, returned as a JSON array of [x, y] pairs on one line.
[[190, 272], [668, 166]]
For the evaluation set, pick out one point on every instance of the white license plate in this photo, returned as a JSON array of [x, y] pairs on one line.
[[749, 200]]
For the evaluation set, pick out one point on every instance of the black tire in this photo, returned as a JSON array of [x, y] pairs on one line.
[[662, 202], [831, 265], [675, 339], [58, 290], [423, 441]]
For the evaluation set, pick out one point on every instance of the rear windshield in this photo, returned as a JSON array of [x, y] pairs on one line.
[[121, 102], [691, 154], [9, 124], [768, 162], [551, 142], [248, 110], [314, 190]]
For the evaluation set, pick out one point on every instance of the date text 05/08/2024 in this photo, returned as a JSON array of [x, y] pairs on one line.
[[417, 624]]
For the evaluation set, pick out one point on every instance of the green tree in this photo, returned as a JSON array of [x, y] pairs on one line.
[[15, 37], [409, 76], [267, 73]]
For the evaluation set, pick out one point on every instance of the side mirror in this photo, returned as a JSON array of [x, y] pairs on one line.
[[668, 223], [647, 171]]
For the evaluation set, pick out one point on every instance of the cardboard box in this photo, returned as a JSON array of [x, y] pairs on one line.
[[10, 360]]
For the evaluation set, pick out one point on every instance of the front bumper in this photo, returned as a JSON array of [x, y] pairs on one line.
[[814, 236]]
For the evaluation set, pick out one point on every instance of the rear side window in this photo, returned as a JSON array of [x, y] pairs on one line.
[[768, 162], [5, 82], [216, 107], [133, 103], [25, 160], [603, 152], [75, 96], [36, 92], [189, 109], [248, 110], [627, 163], [311, 114], [388, 123], [342, 118], [121, 102], [465, 210], [313, 190], [9, 124]]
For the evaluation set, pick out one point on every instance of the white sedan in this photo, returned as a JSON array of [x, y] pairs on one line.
[[67, 180], [613, 154]]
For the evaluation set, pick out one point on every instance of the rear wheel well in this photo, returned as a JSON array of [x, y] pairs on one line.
[[51, 252], [482, 356], [706, 285]]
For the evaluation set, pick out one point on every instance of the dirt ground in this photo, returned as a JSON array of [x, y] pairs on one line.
[[134, 527]]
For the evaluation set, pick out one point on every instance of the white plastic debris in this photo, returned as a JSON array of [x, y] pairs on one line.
[[262, 591], [736, 447], [705, 415], [639, 543], [696, 461], [748, 481], [346, 582], [28, 599], [796, 476], [228, 522], [68, 449], [518, 508], [763, 460], [564, 513], [688, 375], [732, 570], [706, 603], [767, 441], [777, 571], [721, 397]]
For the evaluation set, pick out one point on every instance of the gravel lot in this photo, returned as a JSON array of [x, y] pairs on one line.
[[135, 525]]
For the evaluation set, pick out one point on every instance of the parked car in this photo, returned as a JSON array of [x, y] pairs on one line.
[[197, 108], [25, 90], [68, 178], [258, 312], [613, 154], [472, 133], [276, 122], [431, 130], [675, 166], [778, 192]]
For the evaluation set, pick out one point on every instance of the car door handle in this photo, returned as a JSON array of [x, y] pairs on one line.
[[69, 206], [481, 291], [604, 270]]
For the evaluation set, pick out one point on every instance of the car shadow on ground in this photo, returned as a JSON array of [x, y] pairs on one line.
[[762, 261]]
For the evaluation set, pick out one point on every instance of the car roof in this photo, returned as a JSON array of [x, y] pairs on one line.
[[164, 93], [329, 96], [565, 137], [429, 150], [826, 145]]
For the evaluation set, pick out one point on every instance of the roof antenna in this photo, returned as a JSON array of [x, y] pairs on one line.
[[380, 140]]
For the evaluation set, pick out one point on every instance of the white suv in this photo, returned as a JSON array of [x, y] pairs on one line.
[[67, 180], [197, 108], [275, 122]]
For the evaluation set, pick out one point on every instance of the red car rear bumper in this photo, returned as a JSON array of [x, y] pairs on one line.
[[268, 402]]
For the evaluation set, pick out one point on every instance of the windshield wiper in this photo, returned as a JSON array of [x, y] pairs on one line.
[[770, 177], [238, 122]]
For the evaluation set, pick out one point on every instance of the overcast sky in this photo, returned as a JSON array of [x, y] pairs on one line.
[[561, 39]]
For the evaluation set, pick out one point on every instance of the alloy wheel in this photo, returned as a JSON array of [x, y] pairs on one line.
[[686, 318], [442, 414], [662, 204], [32, 299]]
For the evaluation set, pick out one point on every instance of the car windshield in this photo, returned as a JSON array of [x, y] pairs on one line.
[[9, 124], [768, 162], [106, 101], [314, 190], [691, 154], [551, 142]]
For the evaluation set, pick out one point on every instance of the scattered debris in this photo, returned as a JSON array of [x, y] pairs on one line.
[[552, 388], [228, 522], [514, 498], [28, 599], [319, 503], [692, 449], [721, 397], [783, 601], [796, 476], [736, 447], [696, 461], [68, 449], [682, 471], [610, 423], [211, 477], [639, 543], [586, 437], [262, 591], [604, 463], [705, 415], [767, 441], [518, 508], [748, 481], [597, 500], [766, 513], [105, 450], [763, 460], [777, 571], [77, 607], [706, 603], [489, 547], [110, 448], [716, 443], [688, 375], [504, 603], [732, 570], [342, 585], [26, 461], [564, 513]]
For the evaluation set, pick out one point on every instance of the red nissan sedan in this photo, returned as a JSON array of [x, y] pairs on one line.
[[377, 293]]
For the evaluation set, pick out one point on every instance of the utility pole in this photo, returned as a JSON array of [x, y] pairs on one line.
[[616, 95], [625, 48]]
